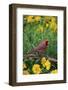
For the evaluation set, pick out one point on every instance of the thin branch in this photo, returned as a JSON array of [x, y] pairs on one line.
[[52, 59]]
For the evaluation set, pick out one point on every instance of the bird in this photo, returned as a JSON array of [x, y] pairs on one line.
[[40, 48], [38, 51]]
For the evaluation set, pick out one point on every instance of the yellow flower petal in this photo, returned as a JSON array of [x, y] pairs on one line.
[[36, 69], [29, 19], [47, 18], [53, 26], [48, 64], [40, 29], [54, 71], [43, 61], [37, 18], [48, 67], [53, 19], [47, 25]]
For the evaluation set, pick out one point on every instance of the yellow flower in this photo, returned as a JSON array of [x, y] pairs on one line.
[[37, 18], [48, 64], [43, 61], [53, 19], [47, 18], [50, 19], [53, 26], [24, 66], [47, 25], [52, 23], [40, 29], [29, 19], [25, 72], [54, 71], [36, 68]]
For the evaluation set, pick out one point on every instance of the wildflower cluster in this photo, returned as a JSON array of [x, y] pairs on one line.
[[42, 66]]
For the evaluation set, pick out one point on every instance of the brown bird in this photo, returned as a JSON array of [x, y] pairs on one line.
[[38, 50], [41, 47]]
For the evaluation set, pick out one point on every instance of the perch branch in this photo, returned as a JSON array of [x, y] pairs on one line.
[[34, 56], [52, 59]]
